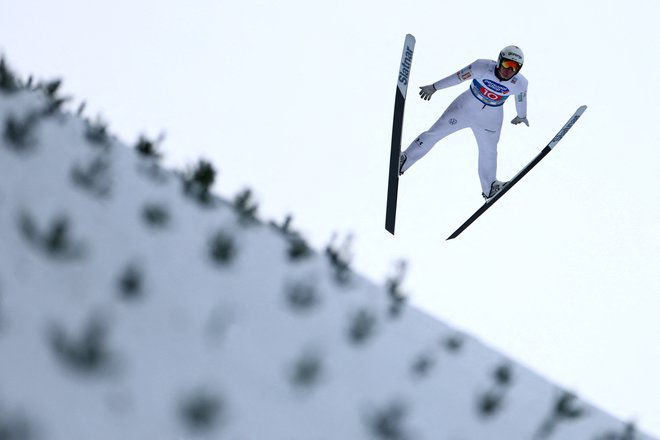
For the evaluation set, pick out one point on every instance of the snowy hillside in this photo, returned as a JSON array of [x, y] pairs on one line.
[[134, 304]]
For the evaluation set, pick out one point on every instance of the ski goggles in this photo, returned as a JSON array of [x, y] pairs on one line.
[[508, 64]]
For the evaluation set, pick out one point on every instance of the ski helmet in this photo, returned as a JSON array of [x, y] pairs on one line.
[[512, 53]]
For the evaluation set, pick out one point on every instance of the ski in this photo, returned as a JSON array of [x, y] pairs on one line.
[[548, 148], [397, 127]]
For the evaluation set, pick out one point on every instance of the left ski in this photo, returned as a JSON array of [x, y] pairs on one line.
[[397, 127], [522, 172]]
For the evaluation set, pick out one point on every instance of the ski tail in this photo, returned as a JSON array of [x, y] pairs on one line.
[[397, 129], [539, 157]]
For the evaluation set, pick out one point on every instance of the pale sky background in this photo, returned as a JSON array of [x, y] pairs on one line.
[[294, 99]]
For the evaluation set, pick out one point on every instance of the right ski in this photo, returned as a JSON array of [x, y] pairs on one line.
[[397, 128], [522, 172]]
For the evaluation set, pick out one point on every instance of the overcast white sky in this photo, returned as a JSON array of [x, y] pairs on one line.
[[294, 99]]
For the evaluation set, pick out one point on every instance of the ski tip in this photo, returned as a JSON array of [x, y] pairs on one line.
[[581, 109]]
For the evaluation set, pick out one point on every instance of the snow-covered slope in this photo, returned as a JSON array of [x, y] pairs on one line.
[[134, 305]]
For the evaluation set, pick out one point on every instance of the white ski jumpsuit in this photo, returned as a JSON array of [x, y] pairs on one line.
[[480, 108]]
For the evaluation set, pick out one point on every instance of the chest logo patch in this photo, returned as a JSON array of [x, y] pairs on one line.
[[496, 87]]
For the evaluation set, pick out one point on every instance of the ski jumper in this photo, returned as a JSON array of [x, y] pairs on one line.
[[480, 108]]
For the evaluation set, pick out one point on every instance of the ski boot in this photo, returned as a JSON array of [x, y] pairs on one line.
[[495, 188]]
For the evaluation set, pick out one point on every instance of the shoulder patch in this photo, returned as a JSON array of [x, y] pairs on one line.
[[465, 73]]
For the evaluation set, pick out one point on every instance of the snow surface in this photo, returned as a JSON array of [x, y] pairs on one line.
[[113, 326]]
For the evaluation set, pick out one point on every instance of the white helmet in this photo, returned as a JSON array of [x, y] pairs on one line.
[[512, 53]]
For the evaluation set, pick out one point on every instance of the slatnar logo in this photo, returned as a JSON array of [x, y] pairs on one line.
[[406, 62]]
